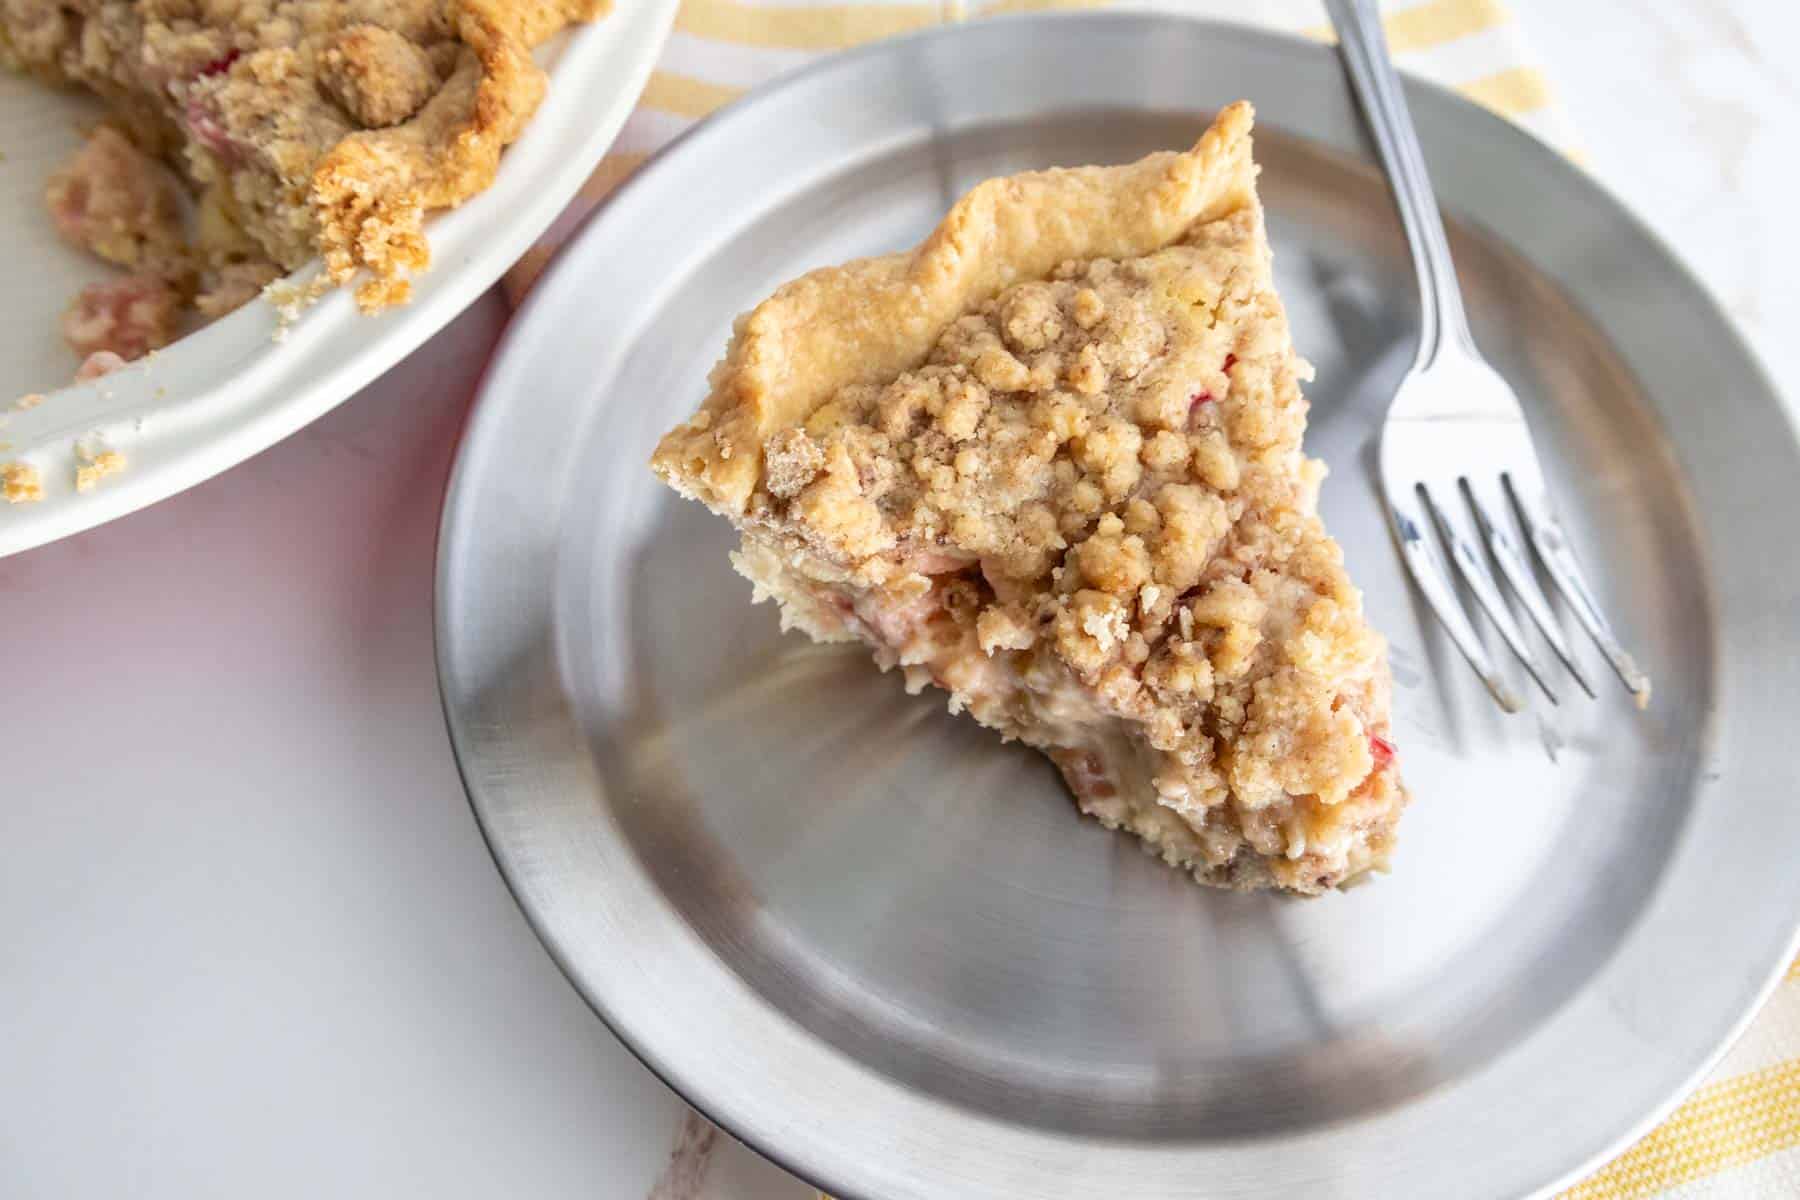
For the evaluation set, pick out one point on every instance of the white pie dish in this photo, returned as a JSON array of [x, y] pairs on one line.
[[217, 396]]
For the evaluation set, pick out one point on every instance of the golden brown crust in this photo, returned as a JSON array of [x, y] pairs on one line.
[[866, 321], [377, 76], [371, 192]]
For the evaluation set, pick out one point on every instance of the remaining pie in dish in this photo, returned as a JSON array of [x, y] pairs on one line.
[[306, 127], [1050, 461]]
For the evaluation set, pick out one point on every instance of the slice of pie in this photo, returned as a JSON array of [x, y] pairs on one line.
[[1050, 461]]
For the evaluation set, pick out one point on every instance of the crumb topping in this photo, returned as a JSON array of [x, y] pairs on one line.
[[94, 463], [379, 77], [1102, 471]]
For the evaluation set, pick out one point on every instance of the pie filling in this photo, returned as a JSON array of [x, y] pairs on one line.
[[1112, 769], [304, 127], [1086, 515]]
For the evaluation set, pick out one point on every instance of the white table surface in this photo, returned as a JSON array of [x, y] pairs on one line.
[[251, 944]]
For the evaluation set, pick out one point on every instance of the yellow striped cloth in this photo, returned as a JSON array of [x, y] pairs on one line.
[[722, 48], [1738, 1136]]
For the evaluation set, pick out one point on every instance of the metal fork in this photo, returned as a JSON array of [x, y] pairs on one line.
[[1455, 435]]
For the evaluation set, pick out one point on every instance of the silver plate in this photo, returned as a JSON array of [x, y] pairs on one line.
[[881, 947]]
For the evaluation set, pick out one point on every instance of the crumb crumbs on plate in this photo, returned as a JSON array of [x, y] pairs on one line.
[[94, 463], [27, 401], [20, 483], [291, 299]]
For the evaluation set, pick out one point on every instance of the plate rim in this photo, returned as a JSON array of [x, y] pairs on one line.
[[208, 371], [458, 501]]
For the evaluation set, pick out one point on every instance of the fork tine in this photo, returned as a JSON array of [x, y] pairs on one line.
[[1517, 574], [1487, 592], [1552, 546], [1434, 584]]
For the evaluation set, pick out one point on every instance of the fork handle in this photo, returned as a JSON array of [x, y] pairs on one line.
[[1378, 92]]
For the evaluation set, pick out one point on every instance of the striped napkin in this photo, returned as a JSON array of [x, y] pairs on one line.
[[1738, 1136], [720, 49]]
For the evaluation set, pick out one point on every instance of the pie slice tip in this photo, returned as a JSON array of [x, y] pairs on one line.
[[870, 319]]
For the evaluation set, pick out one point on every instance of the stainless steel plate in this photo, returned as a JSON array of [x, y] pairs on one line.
[[880, 946]]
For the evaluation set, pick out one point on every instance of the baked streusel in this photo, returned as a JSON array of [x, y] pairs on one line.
[[306, 127], [1050, 461]]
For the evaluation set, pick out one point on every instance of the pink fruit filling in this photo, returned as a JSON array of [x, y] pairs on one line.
[[129, 316], [209, 132], [97, 364], [1203, 397], [221, 64]]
